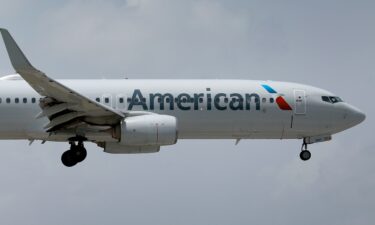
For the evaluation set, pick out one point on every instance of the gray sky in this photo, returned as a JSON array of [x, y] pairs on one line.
[[329, 44]]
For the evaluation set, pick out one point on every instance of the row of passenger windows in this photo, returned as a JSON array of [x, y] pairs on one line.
[[18, 100], [184, 100], [121, 100], [331, 99]]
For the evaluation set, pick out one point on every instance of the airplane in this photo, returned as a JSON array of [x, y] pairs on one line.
[[125, 116]]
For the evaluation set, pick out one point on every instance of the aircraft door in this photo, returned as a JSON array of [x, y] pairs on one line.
[[299, 102]]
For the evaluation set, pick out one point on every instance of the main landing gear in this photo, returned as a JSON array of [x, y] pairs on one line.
[[305, 154], [76, 154]]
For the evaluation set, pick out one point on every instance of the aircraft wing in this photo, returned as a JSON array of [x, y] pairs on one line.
[[64, 107]]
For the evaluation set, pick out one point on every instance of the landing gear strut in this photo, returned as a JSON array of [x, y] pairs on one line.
[[305, 154], [76, 154]]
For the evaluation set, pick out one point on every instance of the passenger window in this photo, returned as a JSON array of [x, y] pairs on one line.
[[16, 100], [106, 100], [121, 100], [33, 100], [97, 99], [272, 100], [8, 100], [24, 100], [0, 100], [264, 100]]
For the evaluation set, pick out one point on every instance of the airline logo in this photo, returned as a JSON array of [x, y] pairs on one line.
[[283, 105], [194, 101], [199, 101]]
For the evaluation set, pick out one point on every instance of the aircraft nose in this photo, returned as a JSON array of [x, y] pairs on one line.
[[355, 115]]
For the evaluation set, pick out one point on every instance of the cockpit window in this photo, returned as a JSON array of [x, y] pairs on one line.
[[339, 99], [331, 99], [326, 99]]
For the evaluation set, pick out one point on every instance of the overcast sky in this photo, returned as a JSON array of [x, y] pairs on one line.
[[327, 43]]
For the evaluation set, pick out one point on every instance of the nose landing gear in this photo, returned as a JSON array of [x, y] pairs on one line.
[[305, 154], [76, 154]]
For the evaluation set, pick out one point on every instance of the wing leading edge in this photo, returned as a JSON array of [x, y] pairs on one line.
[[65, 108]]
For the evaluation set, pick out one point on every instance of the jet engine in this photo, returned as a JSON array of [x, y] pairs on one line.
[[146, 130], [143, 134]]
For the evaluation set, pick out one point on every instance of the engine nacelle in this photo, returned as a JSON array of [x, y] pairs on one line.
[[148, 130]]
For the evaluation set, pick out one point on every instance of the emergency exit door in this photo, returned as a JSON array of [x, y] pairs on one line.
[[107, 100]]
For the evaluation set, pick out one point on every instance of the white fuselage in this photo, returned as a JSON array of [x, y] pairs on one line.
[[139, 116], [205, 109]]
